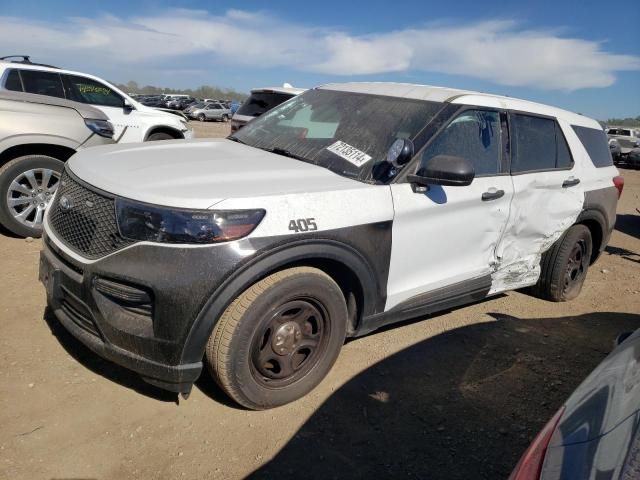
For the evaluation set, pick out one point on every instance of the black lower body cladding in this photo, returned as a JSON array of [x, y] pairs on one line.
[[152, 307]]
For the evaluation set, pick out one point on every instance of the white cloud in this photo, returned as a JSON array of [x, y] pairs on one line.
[[497, 51]]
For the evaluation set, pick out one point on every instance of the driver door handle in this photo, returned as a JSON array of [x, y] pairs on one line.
[[492, 194], [570, 182]]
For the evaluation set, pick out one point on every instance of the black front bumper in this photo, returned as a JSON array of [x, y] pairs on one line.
[[137, 306]]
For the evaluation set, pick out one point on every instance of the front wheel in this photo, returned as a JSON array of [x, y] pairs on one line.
[[27, 185], [201, 117], [564, 267], [279, 338]]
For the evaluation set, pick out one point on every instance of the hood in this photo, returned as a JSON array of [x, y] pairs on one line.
[[199, 173], [607, 397]]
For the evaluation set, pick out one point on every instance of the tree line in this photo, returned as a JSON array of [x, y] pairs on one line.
[[204, 91], [625, 122]]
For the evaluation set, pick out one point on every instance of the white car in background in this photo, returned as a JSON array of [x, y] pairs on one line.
[[627, 137], [132, 121]]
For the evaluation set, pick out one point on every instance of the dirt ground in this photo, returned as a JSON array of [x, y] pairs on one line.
[[457, 395]]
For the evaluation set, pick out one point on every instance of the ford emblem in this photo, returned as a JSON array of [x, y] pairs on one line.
[[65, 203]]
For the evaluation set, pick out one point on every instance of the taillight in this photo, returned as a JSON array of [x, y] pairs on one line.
[[530, 465], [618, 182]]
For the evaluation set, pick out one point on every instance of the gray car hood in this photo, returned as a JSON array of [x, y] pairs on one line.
[[606, 398], [199, 173]]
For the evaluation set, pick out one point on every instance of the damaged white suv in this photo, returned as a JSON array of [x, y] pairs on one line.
[[322, 219]]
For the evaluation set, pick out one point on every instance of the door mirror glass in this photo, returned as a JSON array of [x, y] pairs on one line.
[[400, 153], [128, 106], [444, 170]]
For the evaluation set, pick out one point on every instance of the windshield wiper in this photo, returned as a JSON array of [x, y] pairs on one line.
[[284, 152]]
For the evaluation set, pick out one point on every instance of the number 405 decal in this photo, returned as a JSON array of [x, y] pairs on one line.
[[303, 225]]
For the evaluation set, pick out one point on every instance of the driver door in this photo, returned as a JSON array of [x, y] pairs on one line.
[[448, 235]]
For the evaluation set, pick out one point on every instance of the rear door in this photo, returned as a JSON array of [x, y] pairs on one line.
[[548, 197], [447, 236]]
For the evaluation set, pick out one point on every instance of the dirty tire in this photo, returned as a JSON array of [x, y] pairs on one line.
[[564, 266], [159, 136], [8, 173], [247, 330]]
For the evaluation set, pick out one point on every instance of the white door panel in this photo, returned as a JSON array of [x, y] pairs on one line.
[[126, 124], [545, 204], [444, 236]]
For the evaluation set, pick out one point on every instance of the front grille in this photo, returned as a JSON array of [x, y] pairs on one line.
[[88, 224]]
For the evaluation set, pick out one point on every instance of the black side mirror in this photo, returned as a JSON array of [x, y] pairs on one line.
[[443, 170], [127, 105], [400, 152]]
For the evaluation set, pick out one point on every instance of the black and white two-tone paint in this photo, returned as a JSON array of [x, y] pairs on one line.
[[408, 199]]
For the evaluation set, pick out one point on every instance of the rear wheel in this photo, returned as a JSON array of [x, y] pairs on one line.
[[564, 267], [27, 185], [225, 118], [278, 339]]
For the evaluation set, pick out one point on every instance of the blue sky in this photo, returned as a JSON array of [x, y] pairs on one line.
[[579, 55]]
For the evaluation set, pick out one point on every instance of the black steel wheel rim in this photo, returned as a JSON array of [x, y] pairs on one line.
[[290, 343], [576, 266]]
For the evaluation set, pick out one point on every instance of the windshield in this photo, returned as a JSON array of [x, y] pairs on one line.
[[348, 133], [260, 102]]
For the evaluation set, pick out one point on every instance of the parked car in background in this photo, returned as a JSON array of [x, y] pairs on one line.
[[616, 151], [211, 111], [596, 433], [180, 103], [260, 101], [632, 158], [153, 101], [193, 107], [37, 135], [131, 120], [627, 137], [310, 225]]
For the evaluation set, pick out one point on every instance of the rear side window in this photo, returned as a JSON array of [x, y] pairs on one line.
[[42, 83], [539, 144], [85, 90], [13, 81], [260, 102], [596, 144]]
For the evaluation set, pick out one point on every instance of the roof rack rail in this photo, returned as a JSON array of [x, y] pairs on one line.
[[25, 59]]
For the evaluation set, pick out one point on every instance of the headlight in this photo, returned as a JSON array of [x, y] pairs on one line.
[[100, 127], [138, 221]]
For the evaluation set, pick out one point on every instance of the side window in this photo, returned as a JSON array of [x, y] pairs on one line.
[[474, 135], [89, 91], [535, 144], [563, 156], [13, 81], [596, 144], [42, 83]]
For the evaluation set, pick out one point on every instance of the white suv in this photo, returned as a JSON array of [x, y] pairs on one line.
[[132, 121], [349, 207]]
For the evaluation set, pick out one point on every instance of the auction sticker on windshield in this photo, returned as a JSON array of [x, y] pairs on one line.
[[349, 153]]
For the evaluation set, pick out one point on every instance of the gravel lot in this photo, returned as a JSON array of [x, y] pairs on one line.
[[458, 395]]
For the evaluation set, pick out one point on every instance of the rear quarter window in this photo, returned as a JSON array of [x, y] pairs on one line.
[[13, 82], [596, 144], [260, 102]]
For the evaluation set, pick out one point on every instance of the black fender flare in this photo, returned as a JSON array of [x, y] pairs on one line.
[[594, 215], [267, 263]]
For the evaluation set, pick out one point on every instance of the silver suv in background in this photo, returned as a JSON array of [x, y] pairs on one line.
[[37, 135], [260, 101], [211, 111]]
